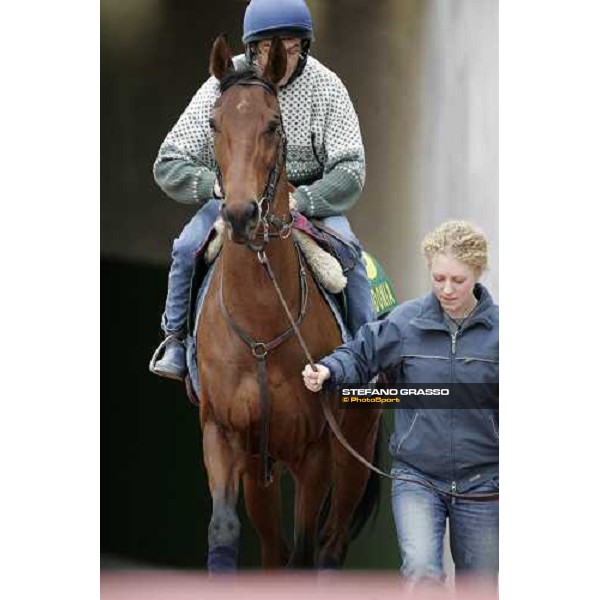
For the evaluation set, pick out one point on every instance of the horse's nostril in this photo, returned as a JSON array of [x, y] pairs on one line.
[[244, 214], [227, 214], [241, 217], [251, 210]]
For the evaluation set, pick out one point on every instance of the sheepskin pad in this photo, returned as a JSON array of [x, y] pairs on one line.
[[324, 266]]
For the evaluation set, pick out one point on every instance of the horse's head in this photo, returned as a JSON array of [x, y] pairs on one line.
[[249, 138]]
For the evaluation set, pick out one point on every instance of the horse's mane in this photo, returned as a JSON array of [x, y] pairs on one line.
[[244, 76]]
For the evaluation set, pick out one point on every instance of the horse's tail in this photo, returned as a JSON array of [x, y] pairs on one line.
[[368, 508]]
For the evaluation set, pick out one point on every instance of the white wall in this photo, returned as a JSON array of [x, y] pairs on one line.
[[439, 157]]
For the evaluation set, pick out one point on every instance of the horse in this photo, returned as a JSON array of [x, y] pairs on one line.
[[256, 416]]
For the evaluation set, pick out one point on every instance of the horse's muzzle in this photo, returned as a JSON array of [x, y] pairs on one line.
[[242, 218]]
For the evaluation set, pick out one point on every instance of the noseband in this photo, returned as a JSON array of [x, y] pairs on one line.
[[266, 217]]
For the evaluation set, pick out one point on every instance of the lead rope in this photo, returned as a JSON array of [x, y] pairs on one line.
[[264, 260]]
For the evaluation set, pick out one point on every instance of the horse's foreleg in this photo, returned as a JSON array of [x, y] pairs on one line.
[[360, 428], [223, 479], [263, 505], [313, 478]]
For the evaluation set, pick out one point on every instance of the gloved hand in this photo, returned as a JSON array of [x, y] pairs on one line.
[[293, 203]]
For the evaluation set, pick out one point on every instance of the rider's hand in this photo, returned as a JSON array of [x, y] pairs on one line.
[[217, 189], [314, 380], [293, 203]]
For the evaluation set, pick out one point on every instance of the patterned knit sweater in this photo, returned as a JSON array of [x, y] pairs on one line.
[[325, 160]]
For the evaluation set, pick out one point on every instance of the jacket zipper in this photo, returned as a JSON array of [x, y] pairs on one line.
[[453, 354]]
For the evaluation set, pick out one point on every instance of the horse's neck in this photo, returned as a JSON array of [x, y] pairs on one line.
[[247, 287]]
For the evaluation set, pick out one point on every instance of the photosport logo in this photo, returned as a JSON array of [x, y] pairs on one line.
[[454, 395]]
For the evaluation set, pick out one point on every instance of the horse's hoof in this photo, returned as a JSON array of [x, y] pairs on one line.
[[222, 559]]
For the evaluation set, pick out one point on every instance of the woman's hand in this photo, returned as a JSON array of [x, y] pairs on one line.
[[314, 380]]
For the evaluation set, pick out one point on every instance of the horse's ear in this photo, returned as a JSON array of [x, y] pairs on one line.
[[220, 58], [277, 63]]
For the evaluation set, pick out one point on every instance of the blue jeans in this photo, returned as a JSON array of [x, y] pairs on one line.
[[420, 514], [360, 303]]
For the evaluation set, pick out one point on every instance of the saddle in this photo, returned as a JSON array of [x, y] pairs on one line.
[[329, 255], [382, 289]]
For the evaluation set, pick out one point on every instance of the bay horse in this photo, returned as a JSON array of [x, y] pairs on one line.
[[248, 350]]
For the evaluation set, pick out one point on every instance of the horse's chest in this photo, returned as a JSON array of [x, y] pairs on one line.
[[294, 421]]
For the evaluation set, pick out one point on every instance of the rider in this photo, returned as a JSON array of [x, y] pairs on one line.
[[325, 161]]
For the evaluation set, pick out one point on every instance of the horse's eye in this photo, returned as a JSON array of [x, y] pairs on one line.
[[211, 124], [272, 128]]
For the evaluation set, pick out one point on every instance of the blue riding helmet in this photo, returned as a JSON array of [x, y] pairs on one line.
[[285, 18]]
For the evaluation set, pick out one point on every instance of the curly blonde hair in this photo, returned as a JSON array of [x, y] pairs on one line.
[[459, 239]]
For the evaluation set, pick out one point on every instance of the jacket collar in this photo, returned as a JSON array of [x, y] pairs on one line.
[[432, 315]]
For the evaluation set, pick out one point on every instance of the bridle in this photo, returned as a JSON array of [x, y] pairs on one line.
[[266, 218]]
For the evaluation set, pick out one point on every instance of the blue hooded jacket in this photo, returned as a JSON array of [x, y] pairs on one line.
[[456, 447]]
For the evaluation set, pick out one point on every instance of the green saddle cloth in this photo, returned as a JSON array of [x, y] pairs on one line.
[[382, 290]]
